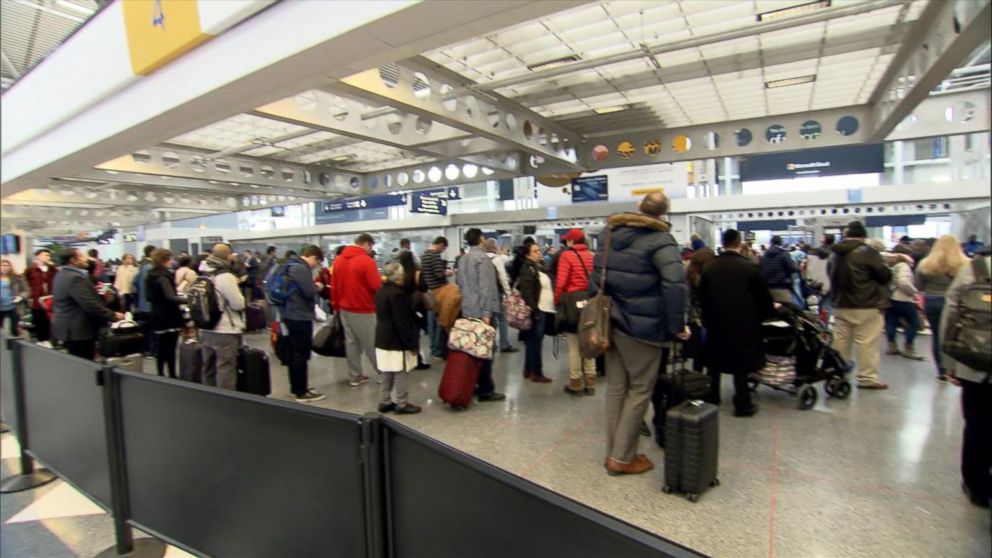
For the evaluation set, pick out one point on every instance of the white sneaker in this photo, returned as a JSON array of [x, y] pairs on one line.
[[45, 344]]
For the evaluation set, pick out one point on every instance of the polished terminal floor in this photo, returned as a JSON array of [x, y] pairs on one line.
[[875, 475]]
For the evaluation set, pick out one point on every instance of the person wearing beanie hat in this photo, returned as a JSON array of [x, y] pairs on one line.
[[859, 282]]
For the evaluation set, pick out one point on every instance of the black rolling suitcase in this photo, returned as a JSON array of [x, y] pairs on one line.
[[255, 317], [253, 371], [692, 448], [191, 361]]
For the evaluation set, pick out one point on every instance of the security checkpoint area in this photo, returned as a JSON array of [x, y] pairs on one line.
[[182, 124]]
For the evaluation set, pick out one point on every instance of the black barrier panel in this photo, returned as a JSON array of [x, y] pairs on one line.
[[443, 503], [7, 384], [230, 475], [65, 417]]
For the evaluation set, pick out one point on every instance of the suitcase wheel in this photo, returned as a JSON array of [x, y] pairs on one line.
[[692, 497], [715, 482], [666, 489]]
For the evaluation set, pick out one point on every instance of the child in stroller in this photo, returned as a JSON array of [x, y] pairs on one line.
[[799, 353]]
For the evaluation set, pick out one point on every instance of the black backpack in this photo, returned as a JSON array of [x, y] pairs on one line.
[[969, 329], [204, 309]]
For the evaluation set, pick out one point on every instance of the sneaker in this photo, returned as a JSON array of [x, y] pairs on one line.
[[492, 397], [45, 344], [387, 407], [872, 385], [407, 409], [309, 397], [911, 354], [359, 381]]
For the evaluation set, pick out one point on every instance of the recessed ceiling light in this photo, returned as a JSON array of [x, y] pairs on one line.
[[793, 11], [555, 62], [341, 158], [608, 110], [789, 81]]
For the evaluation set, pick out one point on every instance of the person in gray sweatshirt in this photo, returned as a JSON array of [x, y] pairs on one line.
[[298, 316], [223, 341]]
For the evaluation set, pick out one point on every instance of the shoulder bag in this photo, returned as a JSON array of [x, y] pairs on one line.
[[594, 320], [570, 305], [473, 337]]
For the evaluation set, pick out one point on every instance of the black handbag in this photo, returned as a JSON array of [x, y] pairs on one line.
[[123, 338], [329, 340], [687, 383], [570, 305]]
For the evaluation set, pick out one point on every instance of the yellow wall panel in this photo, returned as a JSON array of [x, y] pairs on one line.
[[159, 31]]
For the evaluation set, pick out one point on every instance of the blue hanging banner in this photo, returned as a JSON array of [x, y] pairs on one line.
[[421, 202], [590, 189]]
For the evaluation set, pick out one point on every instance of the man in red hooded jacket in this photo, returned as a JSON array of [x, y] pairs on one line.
[[354, 281], [40, 277]]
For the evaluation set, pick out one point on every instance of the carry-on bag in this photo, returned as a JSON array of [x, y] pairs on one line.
[[122, 338], [132, 363], [329, 340], [191, 361], [688, 383], [474, 337], [692, 448], [253, 371], [461, 374], [594, 320], [518, 313], [969, 325], [254, 317]]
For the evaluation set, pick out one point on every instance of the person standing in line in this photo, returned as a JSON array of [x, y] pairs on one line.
[[695, 348], [298, 315], [902, 305], [13, 289], [406, 246], [574, 265], [859, 282], [265, 266], [142, 304], [503, 282], [973, 245], [98, 269], [251, 272], [976, 391], [777, 270], [185, 274], [354, 281], [224, 340], [646, 278], [734, 300], [397, 343], [411, 279], [166, 317], [816, 270], [530, 285], [934, 276], [123, 281], [480, 300], [41, 279], [79, 313], [434, 275]]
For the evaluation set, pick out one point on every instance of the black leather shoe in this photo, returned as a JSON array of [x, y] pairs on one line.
[[510, 349], [492, 397], [408, 409], [749, 412], [387, 407], [423, 366]]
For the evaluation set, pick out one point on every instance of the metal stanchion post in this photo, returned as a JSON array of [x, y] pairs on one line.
[[375, 498], [125, 543], [30, 477]]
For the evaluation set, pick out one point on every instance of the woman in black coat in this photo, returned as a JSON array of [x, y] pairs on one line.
[[166, 318], [735, 301], [410, 287], [397, 340], [529, 285]]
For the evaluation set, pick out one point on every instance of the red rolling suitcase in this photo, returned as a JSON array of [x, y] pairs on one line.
[[461, 373]]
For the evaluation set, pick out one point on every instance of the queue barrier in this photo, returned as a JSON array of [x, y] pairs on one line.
[[224, 474]]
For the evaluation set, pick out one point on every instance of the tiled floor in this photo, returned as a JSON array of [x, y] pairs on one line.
[[875, 475]]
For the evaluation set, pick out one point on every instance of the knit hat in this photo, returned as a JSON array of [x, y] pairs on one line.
[[856, 230], [574, 235]]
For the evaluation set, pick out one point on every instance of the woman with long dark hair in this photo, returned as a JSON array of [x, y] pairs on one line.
[[13, 290], [166, 317], [695, 347], [529, 283]]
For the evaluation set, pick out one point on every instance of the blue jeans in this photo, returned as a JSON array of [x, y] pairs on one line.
[[906, 311], [435, 333], [534, 341], [934, 306], [499, 320]]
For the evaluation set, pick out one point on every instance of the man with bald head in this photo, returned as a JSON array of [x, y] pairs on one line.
[[223, 341]]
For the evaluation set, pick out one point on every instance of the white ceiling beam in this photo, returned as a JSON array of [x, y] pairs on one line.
[[10, 65]]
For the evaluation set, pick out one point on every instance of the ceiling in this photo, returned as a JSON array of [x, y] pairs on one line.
[[594, 70]]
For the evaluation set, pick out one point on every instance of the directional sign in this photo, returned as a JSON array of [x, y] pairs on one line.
[[423, 203], [367, 202]]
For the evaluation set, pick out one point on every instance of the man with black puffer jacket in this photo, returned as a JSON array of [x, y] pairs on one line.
[[858, 284], [645, 277], [778, 269]]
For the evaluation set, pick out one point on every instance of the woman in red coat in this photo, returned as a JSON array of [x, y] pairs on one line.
[[574, 265]]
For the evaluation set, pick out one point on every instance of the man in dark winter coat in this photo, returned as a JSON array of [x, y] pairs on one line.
[[778, 270], [79, 313], [645, 277], [734, 301]]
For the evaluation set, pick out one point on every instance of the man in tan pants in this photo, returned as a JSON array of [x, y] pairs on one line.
[[858, 278]]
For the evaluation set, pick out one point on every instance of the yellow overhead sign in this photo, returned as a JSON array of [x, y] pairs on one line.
[[646, 191], [159, 31]]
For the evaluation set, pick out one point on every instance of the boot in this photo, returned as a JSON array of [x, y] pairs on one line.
[[910, 353], [574, 386], [893, 349], [590, 384]]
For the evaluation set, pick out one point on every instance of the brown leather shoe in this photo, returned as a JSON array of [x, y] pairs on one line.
[[640, 464], [540, 379]]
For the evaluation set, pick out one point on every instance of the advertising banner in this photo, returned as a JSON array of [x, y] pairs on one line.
[[828, 161], [590, 189]]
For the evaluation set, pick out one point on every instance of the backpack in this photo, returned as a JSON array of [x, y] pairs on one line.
[[969, 329], [278, 286], [201, 297]]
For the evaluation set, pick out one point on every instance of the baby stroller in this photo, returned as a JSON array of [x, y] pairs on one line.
[[799, 354]]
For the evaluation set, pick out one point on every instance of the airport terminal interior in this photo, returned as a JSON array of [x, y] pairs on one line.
[[256, 125]]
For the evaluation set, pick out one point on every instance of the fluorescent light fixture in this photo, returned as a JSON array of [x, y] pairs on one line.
[[793, 11], [341, 158], [555, 62], [75, 7], [608, 110], [49, 10], [789, 81]]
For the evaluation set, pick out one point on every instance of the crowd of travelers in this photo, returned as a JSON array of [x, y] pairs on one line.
[[706, 303]]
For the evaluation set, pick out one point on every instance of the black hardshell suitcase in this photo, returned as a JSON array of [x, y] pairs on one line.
[[253, 371], [692, 448], [255, 317], [191, 361]]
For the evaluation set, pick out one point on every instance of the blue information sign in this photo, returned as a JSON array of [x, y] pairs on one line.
[[421, 202], [590, 189]]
